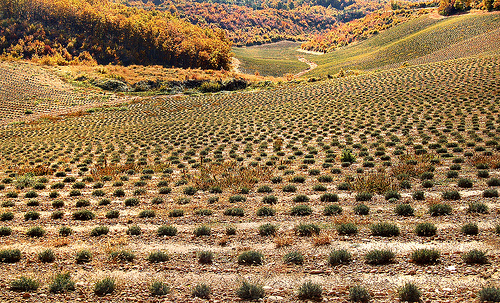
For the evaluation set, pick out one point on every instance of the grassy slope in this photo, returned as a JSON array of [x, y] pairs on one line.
[[29, 87], [422, 40], [275, 59], [415, 39]]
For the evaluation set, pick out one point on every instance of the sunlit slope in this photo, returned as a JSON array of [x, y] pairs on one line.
[[427, 39], [29, 90], [274, 59]]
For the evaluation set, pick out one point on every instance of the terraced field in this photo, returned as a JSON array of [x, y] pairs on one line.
[[29, 90], [267, 187]]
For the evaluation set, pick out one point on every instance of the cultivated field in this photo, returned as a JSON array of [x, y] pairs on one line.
[[423, 40], [176, 189], [27, 90]]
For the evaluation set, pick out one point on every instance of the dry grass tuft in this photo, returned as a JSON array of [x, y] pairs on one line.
[[492, 161], [284, 240], [412, 165], [321, 240], [375, 182], [229, 175]]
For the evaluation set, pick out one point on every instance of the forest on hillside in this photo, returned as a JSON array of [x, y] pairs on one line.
[[258, 22], [101, 31]]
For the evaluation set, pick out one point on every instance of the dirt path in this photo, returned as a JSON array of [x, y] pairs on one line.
[[311, 64]]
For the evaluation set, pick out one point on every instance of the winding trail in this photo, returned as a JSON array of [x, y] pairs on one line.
[[311, 64]]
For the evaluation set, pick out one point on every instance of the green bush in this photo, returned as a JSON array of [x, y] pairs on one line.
[[332, 210], [235, 212], [384, 229], [439, 209], [425, 229], [477, 208], [361, 210], [464, 183], [475, 257], [158, 256], [205, 257], [203, 212], [62, 283], [122, 256], [265, 211], [293, 257], [248, 291], [10, 255], [36, 232], [112, 214], [409, 293], [99, 231], [237, 198], [250, 257], [489, 294], [338, 257], [83, 215], [301, 210], [301, 199], [493, 182], [490, 193], [392, 194], [451, 195], [470, 229], [131, 202], [158, 288], [319, 187], [267, 229], [379, 257], [83, 256], [483, 174], [82, 203], [167, 230], [404, 210], [6, 216], [418, 195], [264, 189], [5, 231], [359, 294], [230, 230], [104, 286], [65, 231], [46, 256], [24, 284], [364, 196], [31, 215], [270, 200], [307, 230], [174, 213], [201, 291], [310, 291], [202, 231], [147, 213], [133, 230], [425, 256], [289, 188], [347, 229], [298, 179], [329, 197]]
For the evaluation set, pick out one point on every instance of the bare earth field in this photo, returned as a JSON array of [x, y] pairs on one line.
[[420, 136]]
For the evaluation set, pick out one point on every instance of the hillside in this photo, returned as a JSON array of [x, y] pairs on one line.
[[28, 91], [428, 38], [138, 194], [415, 40], [101, 31], [259, 22]]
